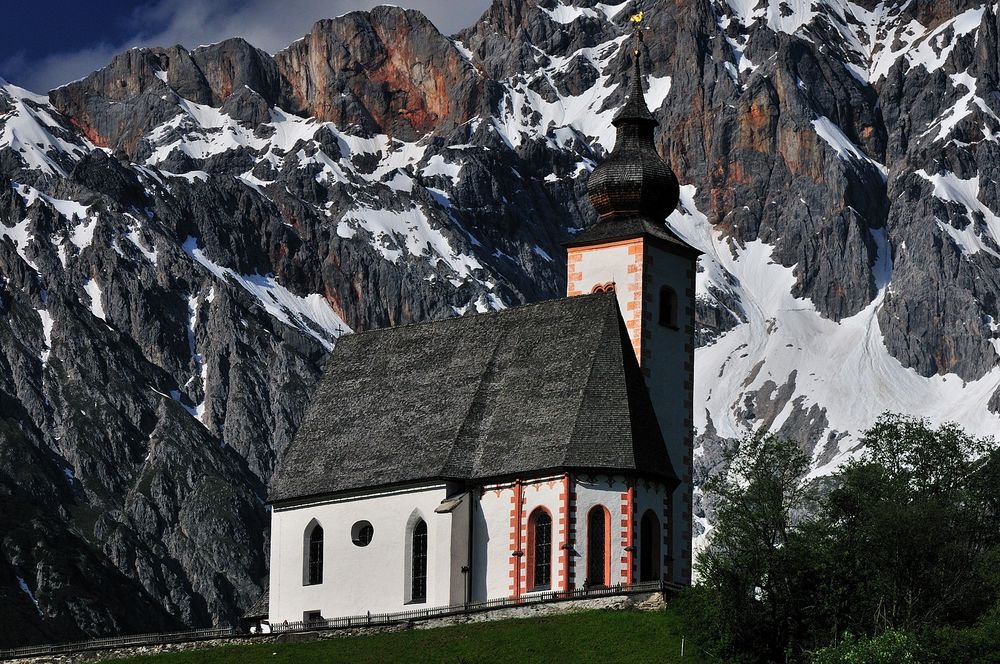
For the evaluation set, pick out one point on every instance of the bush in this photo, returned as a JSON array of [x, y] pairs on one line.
[[905, 547], [890, 647]]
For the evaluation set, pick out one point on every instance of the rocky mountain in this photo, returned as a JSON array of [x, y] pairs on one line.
[[184, 235]]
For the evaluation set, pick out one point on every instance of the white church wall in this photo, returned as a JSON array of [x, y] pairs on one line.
[[377, 577], [491, 562], [606, 491], [618, 263], [652, 496], [495, 566], [668, 355], [638, 269], [544, 493], [358, 579], [459, 544]]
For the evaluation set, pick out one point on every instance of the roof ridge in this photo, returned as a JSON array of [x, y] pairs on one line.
[[476, 420], [480, 314], [598, 339]]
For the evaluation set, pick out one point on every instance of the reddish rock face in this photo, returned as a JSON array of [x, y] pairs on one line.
[[389, 70], [117, 105]]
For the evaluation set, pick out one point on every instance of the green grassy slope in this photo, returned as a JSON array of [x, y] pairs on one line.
[[592, 636]]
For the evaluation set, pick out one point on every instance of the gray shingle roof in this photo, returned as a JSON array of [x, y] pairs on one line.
[[546, 386], [630, 227]]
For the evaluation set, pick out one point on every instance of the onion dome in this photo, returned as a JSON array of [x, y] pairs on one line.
[[634, 181]]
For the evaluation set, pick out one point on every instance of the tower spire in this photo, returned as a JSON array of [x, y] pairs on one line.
[[634, 182], [635, 106]]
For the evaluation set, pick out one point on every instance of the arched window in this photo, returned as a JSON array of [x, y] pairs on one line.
[[598, 546], [418, 563], [604, 288], [313, 558], [649, 547], [668, 307], [539, 550]]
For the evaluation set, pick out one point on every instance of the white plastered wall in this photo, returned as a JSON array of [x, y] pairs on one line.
[[652, 496], [360, 579], [590, 492], [546, 494], [375, 578], [491, 562], [668, 358], [610, 493]]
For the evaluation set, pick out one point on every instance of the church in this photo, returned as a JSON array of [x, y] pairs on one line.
[[546, 447]]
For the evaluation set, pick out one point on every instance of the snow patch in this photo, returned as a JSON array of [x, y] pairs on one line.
[[27, 591], [93, 290], [436, 165], [566, 14], [47, 322], [311, 314], [949, 187], [842, 145], [20, 237], [409, 231], [844, 368], [29, 129]]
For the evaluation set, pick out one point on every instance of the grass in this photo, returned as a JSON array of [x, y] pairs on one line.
[[590, 636]]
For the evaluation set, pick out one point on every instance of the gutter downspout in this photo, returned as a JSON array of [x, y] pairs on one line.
[[565, 553], [518, 553], [630, 532], [470, 552]]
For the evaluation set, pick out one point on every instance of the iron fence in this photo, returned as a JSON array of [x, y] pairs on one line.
[[348, 622], [121, 642]]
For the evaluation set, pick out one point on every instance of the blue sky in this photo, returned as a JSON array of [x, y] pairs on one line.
[[45, 44]]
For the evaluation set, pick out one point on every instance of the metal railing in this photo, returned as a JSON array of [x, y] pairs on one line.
[[347, 622], [122, 642], [545, 597]]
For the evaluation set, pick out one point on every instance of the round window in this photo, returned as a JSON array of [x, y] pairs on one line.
[[362, 533]]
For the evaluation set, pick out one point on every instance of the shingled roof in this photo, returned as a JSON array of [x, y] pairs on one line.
[[632, 227], [548, 386]]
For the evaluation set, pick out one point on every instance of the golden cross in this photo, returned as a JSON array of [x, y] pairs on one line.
[[637, 19]]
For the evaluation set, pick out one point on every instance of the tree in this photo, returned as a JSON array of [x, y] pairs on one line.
[[749, 568], [899, 559], [911, 518]]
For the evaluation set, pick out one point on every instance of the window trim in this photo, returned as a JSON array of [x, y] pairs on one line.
[[410, 578], [608, 287], [653, 569], [668, 314], [313, 550], [605, 546], [360, 527], [533, 559]]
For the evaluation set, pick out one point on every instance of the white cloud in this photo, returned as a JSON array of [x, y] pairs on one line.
[[266, 24]]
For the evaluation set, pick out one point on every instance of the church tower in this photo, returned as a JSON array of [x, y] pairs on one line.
[[631, 251]]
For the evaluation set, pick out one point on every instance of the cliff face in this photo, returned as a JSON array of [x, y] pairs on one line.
[[184, 234], [387, 71]]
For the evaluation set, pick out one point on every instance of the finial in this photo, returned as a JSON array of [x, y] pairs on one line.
[[635, 107], [634, 181], [637, 19]]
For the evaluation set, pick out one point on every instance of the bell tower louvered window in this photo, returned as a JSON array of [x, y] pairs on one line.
[[668, 307]]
